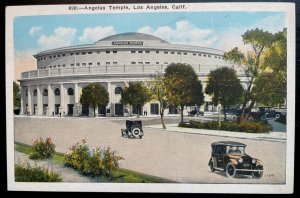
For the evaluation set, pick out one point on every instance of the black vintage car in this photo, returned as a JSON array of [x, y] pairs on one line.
[[133, 129], [230, 157]]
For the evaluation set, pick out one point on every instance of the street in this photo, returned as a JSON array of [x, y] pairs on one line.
[[177, 156]]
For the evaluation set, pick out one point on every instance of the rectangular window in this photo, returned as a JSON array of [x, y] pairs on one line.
[[199, 54], [72, 64], [157, 52], [132, 52], [90, 63], [58, 55], [77, 64], [172, 52], [54, 56], [58, 65], [71, 54], [194, 54], [133, 63], [50, 66], [166, 63], [147, 52], [63, 65], [77, 53], [178, 52], [114, 52], [140, 63], [154, 108], [140, 52], [83, 53], [90, 52], [115, 63], [208, 55], [165, 52], [204, 55], [107, 52], [157, 63], [107, 63], [147, 63], [184, 53], [219, 57], [216, 57], [83, 64], [63, 54], [98, 63], [98, 52], [44, 58], [54, 66]]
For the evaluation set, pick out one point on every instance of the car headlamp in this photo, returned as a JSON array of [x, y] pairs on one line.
[[253, 161], [241, 160]]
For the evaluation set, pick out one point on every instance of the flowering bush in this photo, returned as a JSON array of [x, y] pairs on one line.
[[42, 148], [24, 172], [99, 162]]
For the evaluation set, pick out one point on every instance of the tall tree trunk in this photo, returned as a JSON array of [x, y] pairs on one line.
[[224, 110], [94, 111], [161, 111], [246, 100], [181, 113]]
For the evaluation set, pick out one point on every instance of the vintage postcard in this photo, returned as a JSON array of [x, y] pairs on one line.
[[169, 97]]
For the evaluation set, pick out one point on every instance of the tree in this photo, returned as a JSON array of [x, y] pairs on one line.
[[159, 93], [183, 86], [94, 95], [224, 87], [17, 95], [252, 62], [136, 94]]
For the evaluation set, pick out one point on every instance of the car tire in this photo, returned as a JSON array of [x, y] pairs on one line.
[[136, 132], [277, 116], [230, 170], [257, 175], [211, 167], [234, 117]]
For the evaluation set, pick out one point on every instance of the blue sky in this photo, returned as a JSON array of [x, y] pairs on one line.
[[220, 30]]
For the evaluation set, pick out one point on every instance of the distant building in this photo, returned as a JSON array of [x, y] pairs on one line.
[[114, 61]]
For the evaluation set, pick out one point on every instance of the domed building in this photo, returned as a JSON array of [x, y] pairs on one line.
[[114, 61]]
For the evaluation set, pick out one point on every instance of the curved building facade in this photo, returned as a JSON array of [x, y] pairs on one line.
[[114, 61]]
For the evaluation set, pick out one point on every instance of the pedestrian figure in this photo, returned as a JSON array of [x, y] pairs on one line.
[[59, 114], [146, 112], [52, 113]]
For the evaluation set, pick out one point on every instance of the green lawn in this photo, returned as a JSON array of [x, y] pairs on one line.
[[121, 175]]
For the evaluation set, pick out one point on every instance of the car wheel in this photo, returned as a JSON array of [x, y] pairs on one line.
[[136, 132], [211, 167], [277, 116], [256, 174], [230, 170], [234, 117]]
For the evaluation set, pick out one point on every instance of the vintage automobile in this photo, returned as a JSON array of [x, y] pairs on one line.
[[230, 157], [195, 112], [133, 129]]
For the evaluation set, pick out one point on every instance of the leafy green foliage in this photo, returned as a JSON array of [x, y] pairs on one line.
[[99, 162], [24, 172], [183, 86], [17, 95], [42, 148], [94, 95], [247, 126], [136, 94], [224, 87]]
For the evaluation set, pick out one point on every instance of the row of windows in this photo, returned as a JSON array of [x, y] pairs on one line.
[[133, 52], [56, 92], [118, 90]]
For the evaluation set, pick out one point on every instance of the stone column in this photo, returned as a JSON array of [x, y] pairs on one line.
[[50, 107], [62, 99], [29, 100], [39, 107], [22, 101], [110, 104], [76, 102]]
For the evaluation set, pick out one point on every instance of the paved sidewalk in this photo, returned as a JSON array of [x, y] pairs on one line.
[[272, 136]]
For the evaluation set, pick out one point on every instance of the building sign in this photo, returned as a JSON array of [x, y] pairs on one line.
[[127, 43]]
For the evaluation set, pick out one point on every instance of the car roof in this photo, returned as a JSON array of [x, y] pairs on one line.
[[227, 143]]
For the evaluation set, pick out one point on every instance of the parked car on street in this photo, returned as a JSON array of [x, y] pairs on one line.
[[195, 112], [230, 157], [133, 129]]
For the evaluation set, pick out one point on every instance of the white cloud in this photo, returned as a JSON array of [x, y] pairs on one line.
[[34, 30], [96, 33], [184, 33], [271, 24], [63, 36]]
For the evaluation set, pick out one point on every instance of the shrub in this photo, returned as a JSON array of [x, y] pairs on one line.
[[247, 126], [24, 172], [99, 162], [42, 148]]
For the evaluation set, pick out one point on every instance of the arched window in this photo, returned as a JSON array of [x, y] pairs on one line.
[[118, 90], [70, 92], [35, 92], [45, 92], [57, 92]]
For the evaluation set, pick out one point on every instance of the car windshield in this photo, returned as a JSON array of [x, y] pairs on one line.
[[235, 150]]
